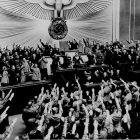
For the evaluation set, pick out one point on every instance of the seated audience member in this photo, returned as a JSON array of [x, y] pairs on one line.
[[4, 62], [25, 65], [91, 59], [77, 60], [56, 50], [26, 55], [108, 55], [43, 68], [55, 63], [117, 75], [105, 76], [124, 56], [87, 77], [96, 77], [22, 75], [67, 62], [112, 74], [13, 76], [34, 58], [99, 55], [114, 53], [36, 75], [133, 56], [116, 57], [18, 63], [5, 77], [129, 63], [73, 44], [81, 46], [87, 49]]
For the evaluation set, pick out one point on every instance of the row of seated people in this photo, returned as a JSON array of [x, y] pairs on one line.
[[5, 103], [99, 75], [87, 76], [11, 77], [109, 110], [74, 59], [112, 53], [31, 72], [15, 63]]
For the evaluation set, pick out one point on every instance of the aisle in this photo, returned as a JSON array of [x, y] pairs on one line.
[[19, 128]]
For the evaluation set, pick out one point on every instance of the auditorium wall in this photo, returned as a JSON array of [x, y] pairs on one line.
[[129, 20]]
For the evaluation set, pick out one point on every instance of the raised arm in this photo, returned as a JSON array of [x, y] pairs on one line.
[[93, 95], [60, 108], [117, 103], [42, 99], [95, 129], [78, 84], [50, 107], [85, 136], [42, 43], [10, 129], [128, 117], [46, 109], [54, 89], [41, 94], [3, 94], [11, 97], [40, 124], [125, 84], [8, 95], [4, 114]]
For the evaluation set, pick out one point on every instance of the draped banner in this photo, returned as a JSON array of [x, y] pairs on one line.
[[26, 23]]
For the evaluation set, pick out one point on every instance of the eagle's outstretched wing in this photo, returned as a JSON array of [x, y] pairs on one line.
[[80, 8], [39, 9], [21, 29], [43, 3], [28, 7]]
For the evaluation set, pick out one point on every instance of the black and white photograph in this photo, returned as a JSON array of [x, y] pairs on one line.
[[69, 69]]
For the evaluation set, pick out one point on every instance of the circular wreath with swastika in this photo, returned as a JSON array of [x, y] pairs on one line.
[[58, 29]]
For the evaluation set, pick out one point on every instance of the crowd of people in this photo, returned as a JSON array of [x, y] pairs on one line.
[[106, 111], [92, 104], [6, 128], [112, 53], [20, 65]]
